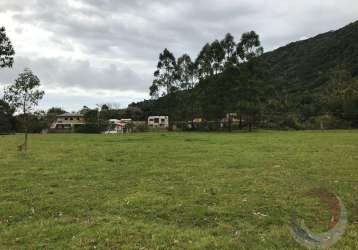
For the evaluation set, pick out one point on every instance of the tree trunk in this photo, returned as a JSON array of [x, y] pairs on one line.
[[26, 127], [26, 135], [250, 123], [240, 123], [230, 123]]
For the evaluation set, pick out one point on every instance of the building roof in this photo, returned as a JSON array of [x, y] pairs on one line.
[[70, 115]]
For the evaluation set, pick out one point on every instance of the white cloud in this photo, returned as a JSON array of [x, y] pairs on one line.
[[113, 45]]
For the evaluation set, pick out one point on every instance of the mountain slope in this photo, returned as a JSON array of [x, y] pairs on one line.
[[302, 65]]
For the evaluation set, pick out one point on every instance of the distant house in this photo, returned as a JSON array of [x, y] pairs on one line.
[[67, 122], [158, 122], [119, 126]]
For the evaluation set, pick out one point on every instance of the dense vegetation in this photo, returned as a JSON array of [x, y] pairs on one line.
[[306, 84]]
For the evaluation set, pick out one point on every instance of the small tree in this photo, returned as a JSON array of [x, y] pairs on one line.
[[24, 95], [6, 50]]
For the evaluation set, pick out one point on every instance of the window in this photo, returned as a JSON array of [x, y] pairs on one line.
[[66, 118], [71, 119], [151, 120], [163, 120], [156, 120]]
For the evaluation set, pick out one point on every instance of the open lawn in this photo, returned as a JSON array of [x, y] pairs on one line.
[[173, 190]]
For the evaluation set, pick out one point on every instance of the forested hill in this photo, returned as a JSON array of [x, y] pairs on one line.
[[303, 65], [300, 82]]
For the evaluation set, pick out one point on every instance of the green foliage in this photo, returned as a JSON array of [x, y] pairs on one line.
[[304, 65], [215, 84], [7, 121], [24, 93], [165, 81], [35, 122], [89, 128], [7, 51], [327, 121], [52, 113], [249, 46]]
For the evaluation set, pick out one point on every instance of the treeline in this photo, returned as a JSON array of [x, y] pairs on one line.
[[226, 77], [39, 121], [229, 78]]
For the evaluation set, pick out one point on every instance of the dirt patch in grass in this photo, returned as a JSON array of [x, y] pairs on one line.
[[331, 200]]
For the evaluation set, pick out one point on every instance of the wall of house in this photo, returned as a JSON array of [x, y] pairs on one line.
[[63, 120], [158, 121]]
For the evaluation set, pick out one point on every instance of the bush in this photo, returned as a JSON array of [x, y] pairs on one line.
[[140, 127], [327, 122], [89, 128]]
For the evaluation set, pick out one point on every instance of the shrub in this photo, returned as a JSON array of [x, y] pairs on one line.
[[327, 122]]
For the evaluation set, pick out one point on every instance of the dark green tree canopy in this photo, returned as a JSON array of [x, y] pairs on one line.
[[249, 46], [7, 121], [165, 77], [204, 62], [186, 72], [228, 44], [7, 51]]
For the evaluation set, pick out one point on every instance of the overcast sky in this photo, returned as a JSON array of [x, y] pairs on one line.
[[89, 52]]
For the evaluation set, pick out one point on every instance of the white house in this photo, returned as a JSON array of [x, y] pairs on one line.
[[67, 121], [158, 121]]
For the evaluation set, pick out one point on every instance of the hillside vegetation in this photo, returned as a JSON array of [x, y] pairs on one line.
[[303, 65], [306, 84]]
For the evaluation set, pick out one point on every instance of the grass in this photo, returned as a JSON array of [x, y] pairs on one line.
[[174, 190]]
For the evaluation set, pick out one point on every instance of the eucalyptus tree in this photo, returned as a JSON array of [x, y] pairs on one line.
[[165, 77], [251, 88], [204, 62], [24, 94], [188, 78], [7, 51], [229, 46], [166, 83], [187, 72], [249, 46], [217, 57]]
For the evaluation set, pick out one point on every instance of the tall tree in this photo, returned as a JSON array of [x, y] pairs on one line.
[[217, 57], [7, 52], [203, 62], [187, 73], [249, 46], [24, 95], [229, 46], [165, 77], [251, 89], [166, 83]]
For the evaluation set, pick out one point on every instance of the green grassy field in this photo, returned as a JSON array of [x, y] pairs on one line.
[[173, 190]]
